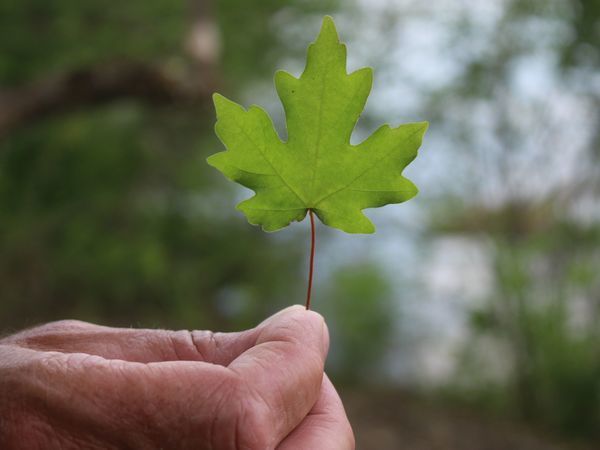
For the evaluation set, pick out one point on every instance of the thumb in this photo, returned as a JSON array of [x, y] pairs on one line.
[[284, 369]]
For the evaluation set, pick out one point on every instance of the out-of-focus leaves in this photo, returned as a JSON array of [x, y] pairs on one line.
[[109, 213], [361, 313]]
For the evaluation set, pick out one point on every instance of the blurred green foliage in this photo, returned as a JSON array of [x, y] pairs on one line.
[[110, 213], [542, 317], [534, 345], [359, 306], [38, 38]]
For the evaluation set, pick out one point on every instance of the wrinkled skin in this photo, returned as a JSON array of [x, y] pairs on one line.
[[74, 385]]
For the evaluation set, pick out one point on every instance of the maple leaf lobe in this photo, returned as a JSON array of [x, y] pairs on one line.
[[316, 168]]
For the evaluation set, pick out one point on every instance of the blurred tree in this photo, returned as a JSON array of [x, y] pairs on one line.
[[544, 312], [529, 195]]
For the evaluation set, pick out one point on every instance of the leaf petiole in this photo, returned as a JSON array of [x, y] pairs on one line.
[[312, 257]]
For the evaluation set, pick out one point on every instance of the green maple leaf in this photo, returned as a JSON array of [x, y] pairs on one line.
[[317, 168]]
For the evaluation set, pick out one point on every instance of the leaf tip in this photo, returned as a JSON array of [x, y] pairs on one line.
[[423, 127], [217, 98], [328, 31], [219, 101], [363, 229], [365, 76], [211, 160], [368, 230], [284, 80], [222, 103]]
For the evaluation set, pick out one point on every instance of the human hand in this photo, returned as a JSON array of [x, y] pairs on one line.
[[73, 385]]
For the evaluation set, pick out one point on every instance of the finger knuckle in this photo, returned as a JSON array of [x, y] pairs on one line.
[[63, 325], [204, 344]]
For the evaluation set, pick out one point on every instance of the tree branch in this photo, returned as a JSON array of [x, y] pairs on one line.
[[95, 85]]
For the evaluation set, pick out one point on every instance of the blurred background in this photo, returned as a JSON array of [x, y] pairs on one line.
[[470, 320]]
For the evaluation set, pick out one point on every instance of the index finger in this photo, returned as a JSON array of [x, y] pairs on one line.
[[326, 426], [283, 371], [134, 344]]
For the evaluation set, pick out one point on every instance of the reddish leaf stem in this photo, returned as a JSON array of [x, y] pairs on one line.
[[312, 257]]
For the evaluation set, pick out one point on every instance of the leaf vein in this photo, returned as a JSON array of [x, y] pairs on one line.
[[360, 175], [381, 190], [274, 209], [260, 150], [319, 135]]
